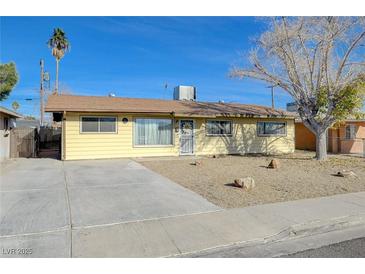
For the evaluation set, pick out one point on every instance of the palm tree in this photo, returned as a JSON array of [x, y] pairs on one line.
[[15, 105], [59, 45]]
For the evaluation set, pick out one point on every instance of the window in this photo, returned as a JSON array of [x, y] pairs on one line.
[[152, 132], [217, 128], [98, 124], [271, 128], [350, 132]]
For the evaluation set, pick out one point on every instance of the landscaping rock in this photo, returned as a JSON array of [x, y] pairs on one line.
[[246, 183], [346, 173], [196, 163], [274, 164], [238, 182]]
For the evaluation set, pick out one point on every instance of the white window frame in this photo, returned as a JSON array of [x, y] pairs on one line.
[[353, 130], [217, 135], [154, 118], [271, 135], [98, 117]]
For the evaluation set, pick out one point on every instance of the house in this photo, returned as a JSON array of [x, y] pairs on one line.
[[346, 138], [7, 118], [111, 127]]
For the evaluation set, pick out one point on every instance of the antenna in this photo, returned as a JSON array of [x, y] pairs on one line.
[[166, 85]]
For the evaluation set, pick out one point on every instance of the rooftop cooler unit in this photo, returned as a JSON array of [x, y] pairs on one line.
[[185, 93]]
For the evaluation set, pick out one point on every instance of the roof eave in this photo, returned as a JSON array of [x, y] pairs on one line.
[[176, 114], [11, 114]]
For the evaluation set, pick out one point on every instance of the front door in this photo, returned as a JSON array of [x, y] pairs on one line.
[[186, 137]]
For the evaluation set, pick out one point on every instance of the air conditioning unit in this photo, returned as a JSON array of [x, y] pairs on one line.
[[187, 93]]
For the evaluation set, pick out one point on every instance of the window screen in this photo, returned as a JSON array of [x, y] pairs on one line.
[[98, 124], [350, 132], [107, 124], [219, 127], [271, 128]]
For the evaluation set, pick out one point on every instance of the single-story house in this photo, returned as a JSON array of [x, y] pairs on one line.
[[95, 127], [7, 118], [346, 138]]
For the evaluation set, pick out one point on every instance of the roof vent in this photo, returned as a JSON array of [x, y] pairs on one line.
[[187, 93]]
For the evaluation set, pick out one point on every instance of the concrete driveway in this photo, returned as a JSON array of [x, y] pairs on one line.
[[44, 202]]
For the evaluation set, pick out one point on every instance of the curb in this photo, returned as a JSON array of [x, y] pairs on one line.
[[292, 232]]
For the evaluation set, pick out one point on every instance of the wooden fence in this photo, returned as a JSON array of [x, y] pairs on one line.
[[24, 142]]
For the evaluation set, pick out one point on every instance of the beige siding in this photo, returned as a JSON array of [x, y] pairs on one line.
[[114, 145], [244, 139], [108, 145]]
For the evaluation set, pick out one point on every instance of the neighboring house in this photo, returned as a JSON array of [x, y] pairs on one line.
[[111, 127], [7, 118], [347, 138]]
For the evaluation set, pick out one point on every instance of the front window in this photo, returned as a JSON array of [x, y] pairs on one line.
[[152, 132], [218, 128], [271, 128], [350, 132], [98, 124]]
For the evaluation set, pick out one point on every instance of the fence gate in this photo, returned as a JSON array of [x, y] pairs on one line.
[[23, 142], [50, 142]]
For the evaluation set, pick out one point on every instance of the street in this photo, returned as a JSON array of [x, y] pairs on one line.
[[348, 249], [347, 243]]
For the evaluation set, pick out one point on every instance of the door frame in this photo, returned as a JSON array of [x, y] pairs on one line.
[[193, 137]]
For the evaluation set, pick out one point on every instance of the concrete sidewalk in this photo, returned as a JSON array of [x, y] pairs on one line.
[[184, 235]]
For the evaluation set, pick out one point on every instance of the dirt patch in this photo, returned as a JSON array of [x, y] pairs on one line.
[[299, 177]]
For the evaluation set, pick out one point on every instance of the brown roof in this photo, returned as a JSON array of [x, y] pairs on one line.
[[60, 103], [9, 112]]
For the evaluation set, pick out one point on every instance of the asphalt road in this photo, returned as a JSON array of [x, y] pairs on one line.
[[348, 249]]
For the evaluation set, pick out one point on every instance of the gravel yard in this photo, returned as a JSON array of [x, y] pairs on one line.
[[299, 177]]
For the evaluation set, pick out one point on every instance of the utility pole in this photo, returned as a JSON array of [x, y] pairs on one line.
[[42, 91], [272, 95], [165, 86]]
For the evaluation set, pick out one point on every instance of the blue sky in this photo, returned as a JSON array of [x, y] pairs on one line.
[[135, 57]]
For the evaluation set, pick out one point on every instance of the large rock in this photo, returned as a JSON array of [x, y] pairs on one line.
[[274, 164], [246, 183], [346, 173]]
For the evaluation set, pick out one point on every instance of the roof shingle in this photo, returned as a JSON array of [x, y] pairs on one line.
[[73, 103]]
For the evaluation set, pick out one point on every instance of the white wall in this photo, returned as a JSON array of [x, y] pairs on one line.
[[4, 140]]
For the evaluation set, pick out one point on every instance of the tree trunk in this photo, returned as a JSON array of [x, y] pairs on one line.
[[56, 88], [321, 145]]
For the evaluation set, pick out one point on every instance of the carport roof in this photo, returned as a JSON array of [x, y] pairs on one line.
[[73, 103]]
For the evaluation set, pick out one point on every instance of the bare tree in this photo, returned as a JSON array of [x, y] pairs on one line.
[[318, 61]]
